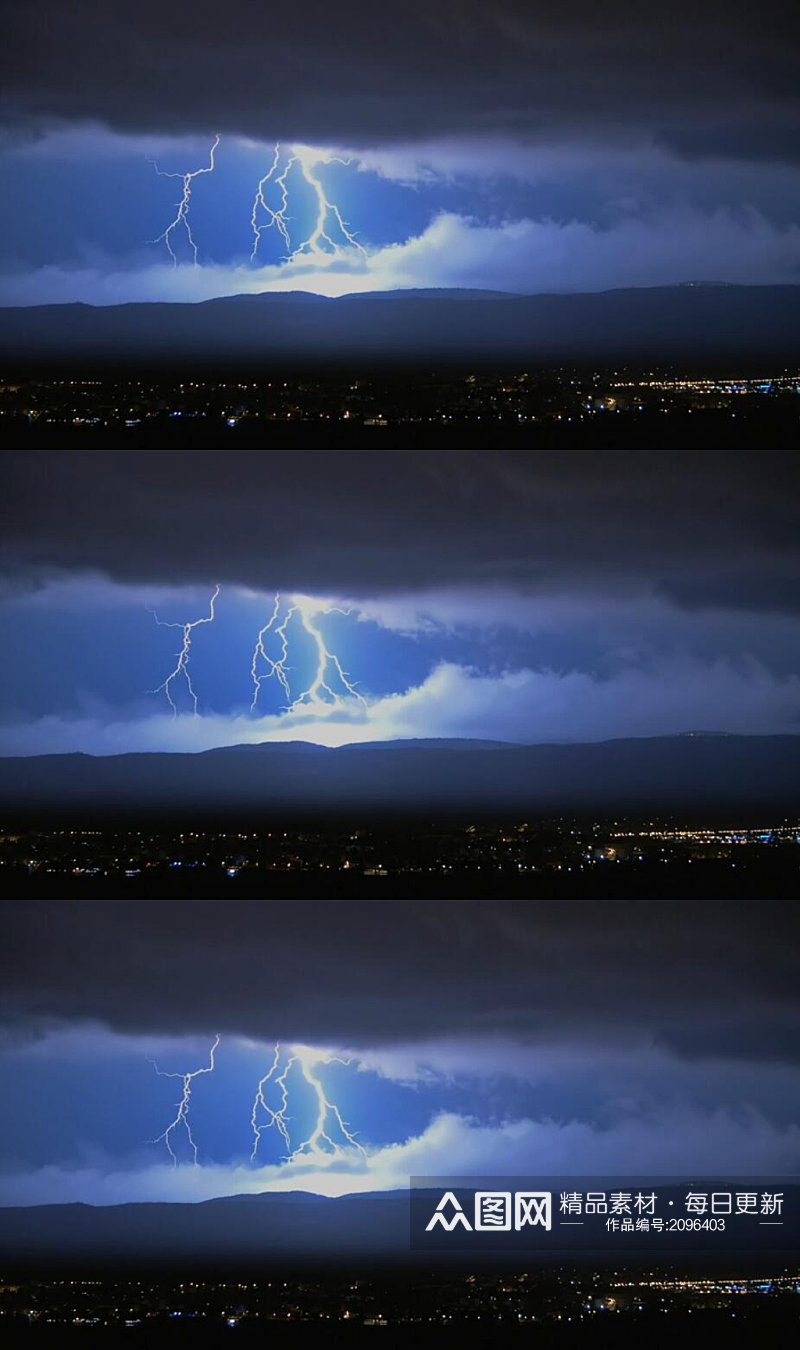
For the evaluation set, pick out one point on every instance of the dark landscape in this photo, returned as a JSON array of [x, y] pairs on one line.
[[695, 322], [400, 699], [696, 772], [292, 1229]]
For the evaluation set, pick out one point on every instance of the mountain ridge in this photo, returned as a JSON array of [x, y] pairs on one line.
[[712, 322], [283, 1226], [410, 292], [683, 772]]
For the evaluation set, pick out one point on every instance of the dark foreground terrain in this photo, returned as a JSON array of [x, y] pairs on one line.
[[708, 322], [691, 773]]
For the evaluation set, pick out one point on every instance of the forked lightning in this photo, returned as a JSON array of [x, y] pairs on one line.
[[329, 1136], [181, 1120], [181, 218], [181, 670]]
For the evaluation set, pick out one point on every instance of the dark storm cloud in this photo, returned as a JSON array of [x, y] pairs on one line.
[[714, 528], [760, 139], [366, 73], [720, 980], [765, 589]]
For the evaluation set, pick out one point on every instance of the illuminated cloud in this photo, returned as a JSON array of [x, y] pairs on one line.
[[522, 705], [511, 1048], [668, 1142], [519, 255], [536, 598], [552, 149]]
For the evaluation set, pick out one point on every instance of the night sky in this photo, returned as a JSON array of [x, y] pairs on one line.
[[494, 1038], [564, 596], [512, 147], [545, 595], [525, 596]]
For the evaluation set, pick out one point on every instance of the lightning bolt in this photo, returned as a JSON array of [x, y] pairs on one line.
[[309, 160], [309, 1059], [181, 1120], [328, 1121], [277, 1118], [328, 221], [328, 666], [276, 668], [181, 219], [276, 218], [304, 606], [182, 666]]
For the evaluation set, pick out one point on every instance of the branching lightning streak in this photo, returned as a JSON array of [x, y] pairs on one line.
[[182, 666], [182, 1114], [308, 161], [319, 691], [328, 215], [181, 220], [277, 1118], [328, 1118], [308, 1060], [325, 658], [276, 668], [277, 218]]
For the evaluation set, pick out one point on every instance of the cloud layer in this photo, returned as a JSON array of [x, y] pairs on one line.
[[667, 247], [678, 1141], [364, 975], [528, 706], [716, 528], [361, 77]]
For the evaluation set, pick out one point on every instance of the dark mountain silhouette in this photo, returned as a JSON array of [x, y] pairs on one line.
[[289, 1227], [673, 773], [711, 323], [267, 1230]]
